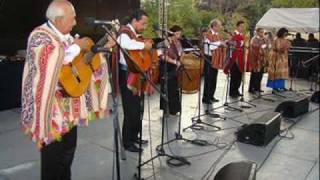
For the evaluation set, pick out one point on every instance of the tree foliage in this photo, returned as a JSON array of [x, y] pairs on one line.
[[192, 15]]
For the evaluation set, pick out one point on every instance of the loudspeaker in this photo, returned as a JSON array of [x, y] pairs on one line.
[[243, 170], [261, 131], [295, 107]]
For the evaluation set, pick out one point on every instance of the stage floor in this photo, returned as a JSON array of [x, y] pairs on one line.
[[290, 159]]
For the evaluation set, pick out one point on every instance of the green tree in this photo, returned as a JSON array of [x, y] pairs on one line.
[[191, 15]]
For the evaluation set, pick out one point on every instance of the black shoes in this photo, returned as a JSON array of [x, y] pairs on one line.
[[138, 141], [235, 95], [214, 100], [132, 148], [252, 91], [210, 101]]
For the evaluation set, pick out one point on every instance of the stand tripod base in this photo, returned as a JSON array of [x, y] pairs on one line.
[[246, 107], [195, 125], [227, 106], [277, 94], [161, 152]]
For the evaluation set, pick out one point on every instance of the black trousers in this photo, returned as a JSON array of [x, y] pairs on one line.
[[235, 80], [210, 80], [172, 88], [133, 106], [255, 81], [57, 157]]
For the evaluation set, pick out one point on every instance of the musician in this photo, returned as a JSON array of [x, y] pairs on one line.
[[278, 69], [257, 60], [132, 98], [49, 116], [215, 55], [236, 64], [172, 58]]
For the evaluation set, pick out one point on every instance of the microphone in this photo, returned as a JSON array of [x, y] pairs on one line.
[[98, 49], [157, 28], [93, 21]]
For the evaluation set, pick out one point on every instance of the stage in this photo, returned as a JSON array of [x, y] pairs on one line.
[[290, 159]]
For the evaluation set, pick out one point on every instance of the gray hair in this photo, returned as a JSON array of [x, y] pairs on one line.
[[214, 22], [56, 9]]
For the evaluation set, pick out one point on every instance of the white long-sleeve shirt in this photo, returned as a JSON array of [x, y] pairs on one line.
[[71, 49], [209, 46], [128, 44]]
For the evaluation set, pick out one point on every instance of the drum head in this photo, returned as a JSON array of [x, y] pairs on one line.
[[190, 61]]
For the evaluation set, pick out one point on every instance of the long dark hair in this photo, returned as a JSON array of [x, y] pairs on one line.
[[282, 32]]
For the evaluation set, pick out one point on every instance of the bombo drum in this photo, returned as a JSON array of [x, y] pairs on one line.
[[190, 75]]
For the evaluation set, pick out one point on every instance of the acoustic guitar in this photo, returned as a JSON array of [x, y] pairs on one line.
[[143, 59], [75, 77]]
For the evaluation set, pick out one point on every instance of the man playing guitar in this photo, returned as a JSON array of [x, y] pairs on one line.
[[132, 98]]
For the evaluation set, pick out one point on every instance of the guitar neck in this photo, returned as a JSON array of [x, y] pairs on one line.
[[89, 56]]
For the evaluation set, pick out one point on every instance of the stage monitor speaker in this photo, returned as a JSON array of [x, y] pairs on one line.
[[261, 131], [295, 107], [243, 170]]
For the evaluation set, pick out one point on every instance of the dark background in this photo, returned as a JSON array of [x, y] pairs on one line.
[[19, 17]]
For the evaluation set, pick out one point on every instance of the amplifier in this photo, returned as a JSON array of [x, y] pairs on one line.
[[261, 131], [295, 107]]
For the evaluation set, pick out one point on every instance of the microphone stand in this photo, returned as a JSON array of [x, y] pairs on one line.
[[314, 74], [242, 100], [226, 104], [115, 112], [196, 120], [160, 148], [178, 135]]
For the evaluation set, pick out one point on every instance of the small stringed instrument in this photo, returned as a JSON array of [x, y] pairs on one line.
[[75, 77]]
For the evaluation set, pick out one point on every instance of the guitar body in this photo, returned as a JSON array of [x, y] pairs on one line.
[[142, 59], [75, 77]]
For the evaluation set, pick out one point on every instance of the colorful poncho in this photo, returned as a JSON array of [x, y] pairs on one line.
[[46, 113]]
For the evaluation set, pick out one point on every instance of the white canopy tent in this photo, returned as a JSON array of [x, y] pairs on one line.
[[304, 20]]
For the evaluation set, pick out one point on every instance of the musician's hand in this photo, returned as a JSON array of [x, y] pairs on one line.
[[178, 64], [148, 45], [111, 41], [263, 46], [223, 44], [83, 43]]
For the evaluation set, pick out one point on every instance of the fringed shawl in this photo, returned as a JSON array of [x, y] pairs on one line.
[[219, 54], [278, 62], [257, 55]]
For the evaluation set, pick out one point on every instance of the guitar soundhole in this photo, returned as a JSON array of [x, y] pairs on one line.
[[78, 79]]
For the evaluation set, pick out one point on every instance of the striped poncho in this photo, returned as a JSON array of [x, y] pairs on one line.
[[46, 113]]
